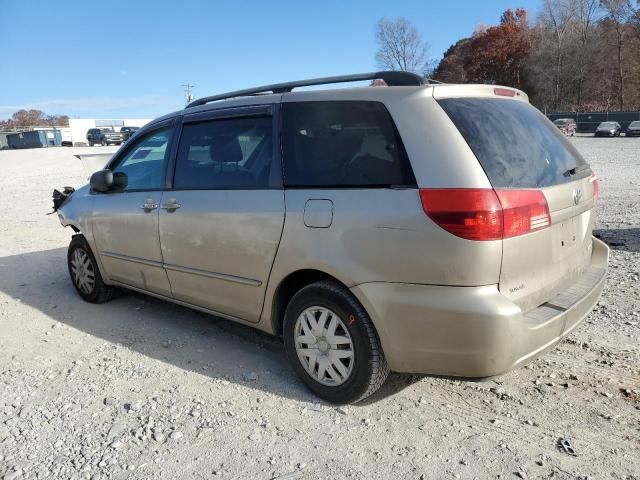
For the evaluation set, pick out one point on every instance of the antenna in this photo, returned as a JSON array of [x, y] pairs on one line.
[[188, 96]]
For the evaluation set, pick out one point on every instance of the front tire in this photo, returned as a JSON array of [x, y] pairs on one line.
[[85, 274], [332, 344]]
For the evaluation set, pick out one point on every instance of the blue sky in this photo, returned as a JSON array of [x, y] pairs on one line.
[[116, 58]]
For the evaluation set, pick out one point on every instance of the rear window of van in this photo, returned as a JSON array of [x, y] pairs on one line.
[[517, 146]]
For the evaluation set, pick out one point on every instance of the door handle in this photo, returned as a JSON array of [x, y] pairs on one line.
[[149, 205], [171, 205]]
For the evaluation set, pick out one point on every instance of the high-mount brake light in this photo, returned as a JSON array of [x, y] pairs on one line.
[[485, 213], [504, 92]]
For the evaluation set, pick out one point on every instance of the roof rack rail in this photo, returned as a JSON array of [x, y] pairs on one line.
[[391, 78]]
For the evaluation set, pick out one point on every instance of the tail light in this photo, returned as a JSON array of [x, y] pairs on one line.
[[484, 213], [474, 214], [524, 211]]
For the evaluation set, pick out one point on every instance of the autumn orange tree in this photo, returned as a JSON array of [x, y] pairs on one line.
[[498, 54], [578, 55]]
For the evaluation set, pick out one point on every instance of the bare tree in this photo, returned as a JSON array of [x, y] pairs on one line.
[[583, 56], [33, 118], [618, 13], [587, 13], [400, 46], [557, 16]]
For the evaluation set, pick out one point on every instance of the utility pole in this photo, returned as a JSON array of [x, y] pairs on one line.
[[188, 96]]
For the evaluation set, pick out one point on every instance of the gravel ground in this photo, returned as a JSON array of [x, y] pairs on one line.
[[140, 388]]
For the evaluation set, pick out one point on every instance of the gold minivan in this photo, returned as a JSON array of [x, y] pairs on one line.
[[417, 227]]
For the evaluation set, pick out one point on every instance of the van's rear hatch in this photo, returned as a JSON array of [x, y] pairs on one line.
[[519, 150]]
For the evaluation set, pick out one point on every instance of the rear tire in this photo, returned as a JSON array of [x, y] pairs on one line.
[[332, 344], [84, 272]]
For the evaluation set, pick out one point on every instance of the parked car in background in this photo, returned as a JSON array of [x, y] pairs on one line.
[[111, 137], [103, 136], [95, 137], [566, 125], [608, 129], [633, 130], [127, 132], [278, 209]]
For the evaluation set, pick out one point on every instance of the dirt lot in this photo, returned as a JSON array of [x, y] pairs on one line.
[[140, 388]]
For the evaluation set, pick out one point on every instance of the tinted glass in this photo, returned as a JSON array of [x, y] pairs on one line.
[[232, 153], [516, 145], [342, 144], [142, 166]]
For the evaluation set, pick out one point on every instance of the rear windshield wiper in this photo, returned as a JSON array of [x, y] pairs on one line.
[[578, 168]]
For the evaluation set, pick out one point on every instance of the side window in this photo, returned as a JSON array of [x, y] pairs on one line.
[[142, 166], [226, 153], [342, 144]]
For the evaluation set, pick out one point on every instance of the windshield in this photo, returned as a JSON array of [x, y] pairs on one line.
[[607, 125], [635, 124], [517, 146]]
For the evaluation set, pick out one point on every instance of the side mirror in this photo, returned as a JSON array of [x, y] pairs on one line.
[[102, 180]]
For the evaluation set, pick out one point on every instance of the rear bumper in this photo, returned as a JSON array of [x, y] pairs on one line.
[[474, 331]]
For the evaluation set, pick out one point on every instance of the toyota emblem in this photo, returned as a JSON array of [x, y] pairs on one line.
[[577, 196]]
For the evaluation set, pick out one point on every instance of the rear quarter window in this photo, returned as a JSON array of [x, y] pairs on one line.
[[342, 144], [517, 146]]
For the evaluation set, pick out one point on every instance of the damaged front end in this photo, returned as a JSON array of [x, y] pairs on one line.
[[59, 197], [72, 206]]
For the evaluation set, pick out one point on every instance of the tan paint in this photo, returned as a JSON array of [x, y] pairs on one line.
[[440, 304]]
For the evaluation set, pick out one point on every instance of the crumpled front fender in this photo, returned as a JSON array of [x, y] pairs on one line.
[[76, 210]]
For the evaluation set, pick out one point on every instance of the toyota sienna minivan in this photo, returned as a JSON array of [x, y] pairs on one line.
[[414, 227]]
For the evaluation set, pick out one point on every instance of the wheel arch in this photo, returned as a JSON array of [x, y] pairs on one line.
[[288, 287], [78, 231]]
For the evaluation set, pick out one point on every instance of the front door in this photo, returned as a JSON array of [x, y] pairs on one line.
[[221, 224], [125, 223]]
